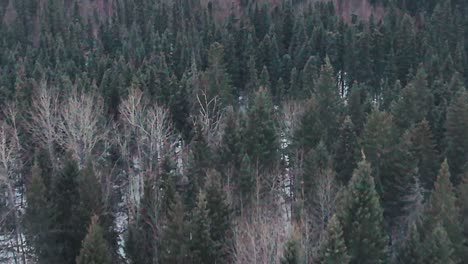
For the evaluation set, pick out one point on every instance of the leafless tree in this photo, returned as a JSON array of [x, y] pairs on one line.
[[260, 239], [83, 126], [210, 116], [146, 135], [45, 118], [10, 175]]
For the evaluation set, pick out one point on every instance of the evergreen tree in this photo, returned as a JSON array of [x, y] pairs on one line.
[[36, 219], [347, 151], [65, 200], [457, 129], [216, 78], [333, 249], [261, 137], [412, 251], [202, 246], [330, 105], [443, 210], [438, 248], [94, 249], [176, 236], [362, 219], [291, 252], [424, 150]]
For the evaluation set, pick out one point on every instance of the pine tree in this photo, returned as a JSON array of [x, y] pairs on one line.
[[347, 151], [333, 249], [362, 218], [36, 219], [443, 210], [94, 249], [202, 246], [438, 248], [291, 252], [218, 81], [261, 137], [463, 205], [457, 129], [65, 200], [424, 150], [414, 102], [219, 215], [330, 105], [176, 236], [412, 251]]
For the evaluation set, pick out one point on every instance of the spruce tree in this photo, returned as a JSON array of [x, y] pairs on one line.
[[176, 235], [261, 137], [36, 219], [333, 248], [65, 200], [94, 249], [424, 150], [443, 210], [291, 252], [219, 214], [457, 129], [202, 246], [346, 151], [362, 218], [412, 251], [438, 248]]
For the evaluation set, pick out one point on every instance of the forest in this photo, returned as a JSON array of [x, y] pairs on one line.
[[234, 131]]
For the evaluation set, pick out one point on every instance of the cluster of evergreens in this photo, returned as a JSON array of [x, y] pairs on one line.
[[259, 133]]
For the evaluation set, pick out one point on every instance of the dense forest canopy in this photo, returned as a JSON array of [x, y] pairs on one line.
[[246, 131]]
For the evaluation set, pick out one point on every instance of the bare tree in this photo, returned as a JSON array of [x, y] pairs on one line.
[[260, 239], [145, 137], [10, 177], [45, 119], [82, 125], [210, 116]]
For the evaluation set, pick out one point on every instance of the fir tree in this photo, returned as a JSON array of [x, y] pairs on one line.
[[362, 219], [333, 249], [424, 150], [202, 246], [438, 248], [412, 251], [36, 219], [176, 236], [347, 151], [291, 252], [443, 210], [457, 129], [260, 135], [94, 249]]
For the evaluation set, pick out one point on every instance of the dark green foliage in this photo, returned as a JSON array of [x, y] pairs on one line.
[[399, 73], [413, 249], [347, 151], [291, 252], [176, 247], [94, 249], [261, 137], [424, 150], [457, 129], [442, 210], [37, 215], [438, 247], [65, 200], [333, 248], [362, 218]]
